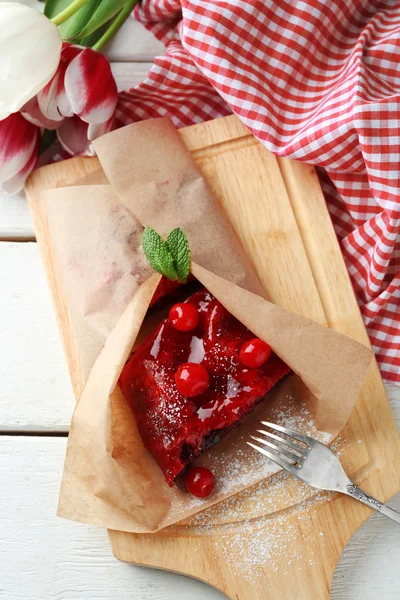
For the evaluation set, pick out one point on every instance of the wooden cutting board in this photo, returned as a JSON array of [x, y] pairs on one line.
[[278, 539]]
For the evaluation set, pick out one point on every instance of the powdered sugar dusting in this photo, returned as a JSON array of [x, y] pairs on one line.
[[238, 473], [249, 545], [276, 492], [278, 510]]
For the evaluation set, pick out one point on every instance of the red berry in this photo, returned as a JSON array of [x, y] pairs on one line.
[[199, 482], [184, 316], [192, 379], [254, 353]]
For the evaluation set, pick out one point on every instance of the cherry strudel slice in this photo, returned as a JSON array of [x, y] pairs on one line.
[[176, 427]]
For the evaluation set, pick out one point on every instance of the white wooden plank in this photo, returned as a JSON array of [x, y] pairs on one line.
[[393, 392], [35, 392], [368, 568], [44, 557], [15, 219], [128, 74], [133, 43]]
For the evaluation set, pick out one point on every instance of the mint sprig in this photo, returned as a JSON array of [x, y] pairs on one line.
[[171, 257], [178, 246]]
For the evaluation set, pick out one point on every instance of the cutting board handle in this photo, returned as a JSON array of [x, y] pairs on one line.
[[279, 579], [296, 564]]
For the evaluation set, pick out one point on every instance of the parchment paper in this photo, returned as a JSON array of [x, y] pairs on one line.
[[109, 478]]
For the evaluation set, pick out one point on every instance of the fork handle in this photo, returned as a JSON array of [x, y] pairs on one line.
[[355, 492]]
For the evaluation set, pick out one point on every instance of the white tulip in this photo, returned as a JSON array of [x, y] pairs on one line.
[[30, 47]]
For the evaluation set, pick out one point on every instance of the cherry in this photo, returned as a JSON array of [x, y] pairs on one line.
[[199, 482], [184, 316], [254, 353], [192, 379]]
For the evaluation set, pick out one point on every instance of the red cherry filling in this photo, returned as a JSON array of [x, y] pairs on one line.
[[199, 482], [184, 316], [177, 428], [254, 353], [192, 379], [166, 288]]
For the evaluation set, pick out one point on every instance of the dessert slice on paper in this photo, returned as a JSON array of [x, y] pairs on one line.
[[193, 380]]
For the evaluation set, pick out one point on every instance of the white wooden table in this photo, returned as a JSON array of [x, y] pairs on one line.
[[43, 557]]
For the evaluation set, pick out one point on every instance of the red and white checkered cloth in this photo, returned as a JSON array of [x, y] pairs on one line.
[[314, 80]]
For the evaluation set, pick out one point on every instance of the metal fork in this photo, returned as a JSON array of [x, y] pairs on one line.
[[314, 463]]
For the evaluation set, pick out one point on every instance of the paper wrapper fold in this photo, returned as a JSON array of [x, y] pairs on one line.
[[95, 232]]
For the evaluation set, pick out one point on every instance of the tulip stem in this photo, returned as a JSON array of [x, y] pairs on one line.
[[65, 14], [116, 24]]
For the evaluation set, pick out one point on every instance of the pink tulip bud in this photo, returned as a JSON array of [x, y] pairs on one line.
[[53, 100], [32, 113], [19, 147], [73, 136], [83, 85], [91, 88], [79, 101], [76, 136]]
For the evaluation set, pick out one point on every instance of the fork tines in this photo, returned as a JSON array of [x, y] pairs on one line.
[[288, 450]]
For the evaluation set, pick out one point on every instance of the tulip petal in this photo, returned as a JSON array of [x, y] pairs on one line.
[[18, 140], [95, 131], [30, 47], [52, 99], [15, 184], [73, 136], [32, 113], [91, 88]]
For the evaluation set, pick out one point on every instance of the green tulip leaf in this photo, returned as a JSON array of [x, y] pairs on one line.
[[54, 7], [91, 39], [105, 11], [71, 29]]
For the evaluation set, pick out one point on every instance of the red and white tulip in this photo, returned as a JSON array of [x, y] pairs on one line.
[[52, 99], [19, 149], [45, 84], [82, 97], [79, 102], [90, 87]]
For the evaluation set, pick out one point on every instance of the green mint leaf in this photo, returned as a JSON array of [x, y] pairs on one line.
[[157, 254], [178, 246]]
